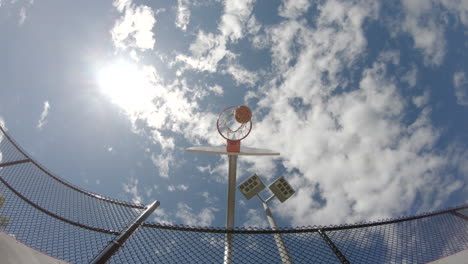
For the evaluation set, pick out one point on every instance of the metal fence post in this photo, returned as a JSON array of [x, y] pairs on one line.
[[117, 243], [333, 247], [462, 216]]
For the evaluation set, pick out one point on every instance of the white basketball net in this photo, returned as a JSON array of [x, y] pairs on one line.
[[229, 126]]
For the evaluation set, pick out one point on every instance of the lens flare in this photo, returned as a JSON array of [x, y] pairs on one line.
[[125, 85]]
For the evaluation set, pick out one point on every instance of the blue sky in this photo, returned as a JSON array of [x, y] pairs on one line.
[[367, 102]]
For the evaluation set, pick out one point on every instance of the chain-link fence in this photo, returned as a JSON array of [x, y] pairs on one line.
[[66, 222]]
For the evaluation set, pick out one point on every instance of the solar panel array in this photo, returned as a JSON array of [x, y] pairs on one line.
[[57, 218]]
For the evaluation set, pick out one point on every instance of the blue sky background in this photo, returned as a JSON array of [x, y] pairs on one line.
[[367, 102]]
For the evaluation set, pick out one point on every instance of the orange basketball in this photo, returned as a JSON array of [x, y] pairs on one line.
[[243, 114]]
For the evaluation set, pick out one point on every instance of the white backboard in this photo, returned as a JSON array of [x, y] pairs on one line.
[[243, 151]]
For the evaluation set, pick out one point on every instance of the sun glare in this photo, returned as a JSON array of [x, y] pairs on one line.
[[125, 85]]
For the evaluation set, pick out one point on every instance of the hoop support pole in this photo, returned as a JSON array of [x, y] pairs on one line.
[[231, 205]]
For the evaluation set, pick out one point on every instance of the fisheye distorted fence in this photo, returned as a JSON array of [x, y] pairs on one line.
[[62, 220]]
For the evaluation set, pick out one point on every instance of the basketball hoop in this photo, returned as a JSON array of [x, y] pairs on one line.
[[234, 124]]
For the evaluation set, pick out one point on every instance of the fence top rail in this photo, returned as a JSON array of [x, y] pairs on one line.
[[302, 229], [49, 213]]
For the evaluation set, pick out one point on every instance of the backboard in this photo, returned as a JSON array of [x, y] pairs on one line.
[[244, 151]]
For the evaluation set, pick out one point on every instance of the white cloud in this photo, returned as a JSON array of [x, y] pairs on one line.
[[424, 26], [282, 36], [148, 191], [161, 107], [425, 21], [45, 112], [293, 8], [218, 173], [167, 143], [21, 7], [163, 162], [180, 187], [183, 187], [255, 219], [459, 8], [460, 82], [134, 29], [172, 108], [155, 108], [411, 77], [349, 155], [209, 49], [188, 217], [368, 165], [421, 100], [253, 26], [120, 5], [216, 89], [266, 167], [183, 14], [22, 15], [241, 75], [209, 198], [236, 15], [161, 216], [132, 189], [392, 56]]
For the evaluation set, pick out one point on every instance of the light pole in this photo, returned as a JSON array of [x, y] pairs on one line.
[[231, 199], [281, 190]]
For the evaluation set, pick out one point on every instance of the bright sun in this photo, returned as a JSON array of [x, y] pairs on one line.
[[124, 84]]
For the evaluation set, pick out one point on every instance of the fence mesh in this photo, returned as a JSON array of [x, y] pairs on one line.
[[66, 222], [49, 234], [464, 212], [8, 151], [47, 193], [415, 241], [156, 244]]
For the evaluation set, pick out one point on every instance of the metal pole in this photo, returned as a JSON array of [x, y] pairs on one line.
[[283, 252], [115, 244], [333, 247], [462, 216], [231, 204], [5, 164]]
